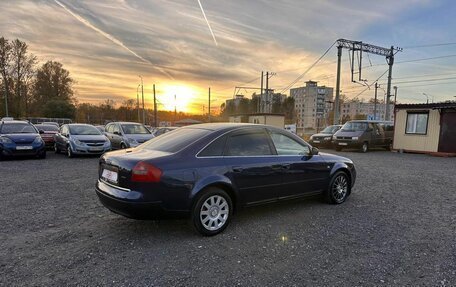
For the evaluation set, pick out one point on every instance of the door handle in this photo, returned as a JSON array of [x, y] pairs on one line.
[[286, 166], [237, 169]]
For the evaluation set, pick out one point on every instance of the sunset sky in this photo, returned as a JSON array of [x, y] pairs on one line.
[[106, 44]]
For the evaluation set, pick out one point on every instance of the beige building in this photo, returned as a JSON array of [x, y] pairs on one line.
[[312, 105], [425, 128], [276, 120], [353, 107]]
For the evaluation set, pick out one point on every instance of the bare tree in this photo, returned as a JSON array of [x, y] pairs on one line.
[[5, 58], [23, 71]]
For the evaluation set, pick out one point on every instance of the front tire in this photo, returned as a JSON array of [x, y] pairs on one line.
[[365, 147], [123, 146], [212, 212], [70, 153], [56, 149], [338, 189]]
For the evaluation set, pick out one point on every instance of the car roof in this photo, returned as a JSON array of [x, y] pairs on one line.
[[15, 122], [124, 123], [370, 121], [223, 126]]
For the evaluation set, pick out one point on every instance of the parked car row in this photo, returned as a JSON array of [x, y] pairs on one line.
[[358, 134], [71, 139]]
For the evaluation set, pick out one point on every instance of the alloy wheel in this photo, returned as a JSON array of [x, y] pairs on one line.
[[214, 212], [339, 188]]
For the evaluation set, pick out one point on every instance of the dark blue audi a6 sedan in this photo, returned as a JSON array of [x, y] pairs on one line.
[[207, 171]]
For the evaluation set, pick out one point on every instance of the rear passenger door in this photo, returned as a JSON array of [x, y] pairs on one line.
[[254, 167]]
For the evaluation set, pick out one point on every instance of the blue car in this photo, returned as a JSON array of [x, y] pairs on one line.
[[20, 138], [208, 171], [81, 139]]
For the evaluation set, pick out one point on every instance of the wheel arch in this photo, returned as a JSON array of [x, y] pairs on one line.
[[220, 182]]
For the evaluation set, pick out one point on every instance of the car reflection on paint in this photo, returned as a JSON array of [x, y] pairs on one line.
[[208, 171]]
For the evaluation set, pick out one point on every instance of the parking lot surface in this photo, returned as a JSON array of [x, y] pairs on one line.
[[398, 227]]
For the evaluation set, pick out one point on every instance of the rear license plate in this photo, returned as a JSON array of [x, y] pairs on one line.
[[316, 141], [109, 175], [343, 143], [23, 147]]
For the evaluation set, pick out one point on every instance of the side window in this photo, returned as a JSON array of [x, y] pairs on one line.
[[288, 146], [115, 128], [109, 129], [215, 148], [248, 143], [65, 130]]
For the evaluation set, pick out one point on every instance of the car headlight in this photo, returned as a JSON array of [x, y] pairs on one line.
[[77, 142], [132, 141], [355, 138], [5, 140], [327, 138], [334, 137], [38, 140]]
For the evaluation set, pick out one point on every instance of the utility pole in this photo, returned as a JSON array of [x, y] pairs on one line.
[[209, 108], [137, 102], [390, 60], [175, 109], [155, 109], [142, 93], [267, 92], [261, 95], [361, 47], [395, 94], [336, 101], [375, 102]]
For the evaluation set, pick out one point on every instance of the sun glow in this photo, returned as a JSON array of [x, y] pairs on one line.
[[176, 96]]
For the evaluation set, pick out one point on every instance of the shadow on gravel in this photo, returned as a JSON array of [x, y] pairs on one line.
[[118, 226]]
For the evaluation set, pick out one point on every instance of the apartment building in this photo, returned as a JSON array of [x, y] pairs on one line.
[[312, 105]]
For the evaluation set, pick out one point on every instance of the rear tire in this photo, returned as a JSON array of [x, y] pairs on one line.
[[339, 188], [123, 146], [212, 211]]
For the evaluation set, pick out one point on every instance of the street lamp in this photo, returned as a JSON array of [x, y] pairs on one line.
[[137, 102], [142, 93]]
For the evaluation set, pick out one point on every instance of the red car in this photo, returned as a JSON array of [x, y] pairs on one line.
[[47, 133]]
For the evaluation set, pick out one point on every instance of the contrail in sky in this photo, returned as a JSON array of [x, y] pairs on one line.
[[109, 37], [208, 25]]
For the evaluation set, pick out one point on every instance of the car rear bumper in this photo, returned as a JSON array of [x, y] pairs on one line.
[[129, 205]]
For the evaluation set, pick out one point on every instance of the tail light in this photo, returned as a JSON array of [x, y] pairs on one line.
[[144, 172]]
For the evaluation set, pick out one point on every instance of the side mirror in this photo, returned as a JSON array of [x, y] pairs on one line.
[[117, 133], [314, 151], [41, 132]]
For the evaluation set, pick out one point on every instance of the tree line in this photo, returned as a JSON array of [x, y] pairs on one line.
[[31, 90]]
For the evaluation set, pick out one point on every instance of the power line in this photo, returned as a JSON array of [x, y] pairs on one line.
[[313, 65], [430, 45], [415, 60]]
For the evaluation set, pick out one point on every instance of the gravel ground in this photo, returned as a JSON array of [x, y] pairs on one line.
[[397, 228]]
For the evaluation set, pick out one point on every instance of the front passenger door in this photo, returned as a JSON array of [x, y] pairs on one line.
[[304, 172]]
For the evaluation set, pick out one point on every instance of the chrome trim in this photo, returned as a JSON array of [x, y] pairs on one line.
[[113, 186]]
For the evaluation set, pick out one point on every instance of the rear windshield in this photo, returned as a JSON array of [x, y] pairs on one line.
[[354, 127], [47, 128], [84, 130], [17, 128], [175, 140], [134, 129]]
